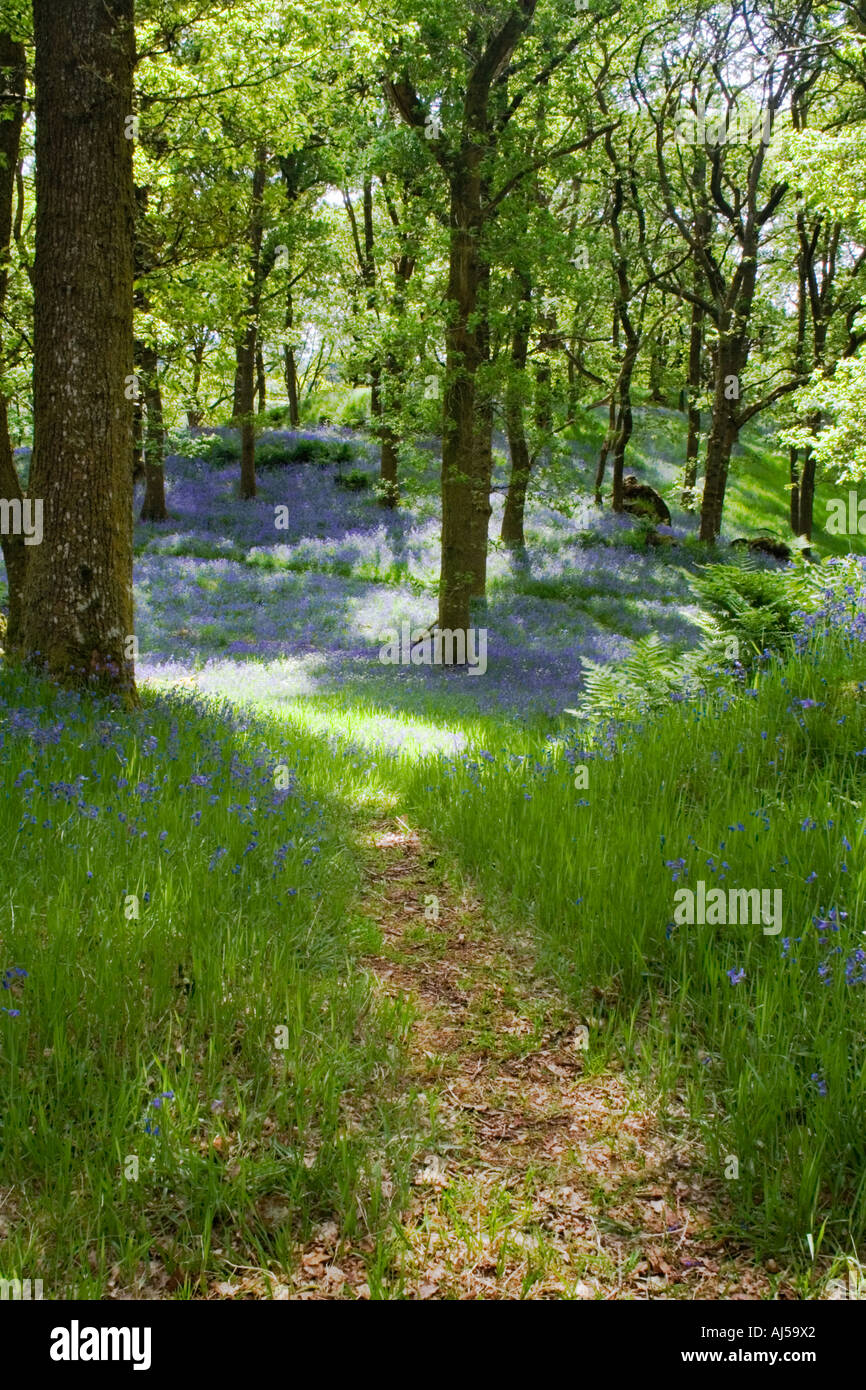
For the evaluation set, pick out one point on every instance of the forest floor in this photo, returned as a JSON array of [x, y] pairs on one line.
[[499, 1070], [543, 1176]]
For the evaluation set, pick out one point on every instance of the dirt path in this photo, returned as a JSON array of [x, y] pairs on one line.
[[543, 1176]]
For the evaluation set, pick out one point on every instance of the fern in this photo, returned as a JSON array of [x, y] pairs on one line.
[[644, 682], [650, 665], [603, 690], [756, 606]]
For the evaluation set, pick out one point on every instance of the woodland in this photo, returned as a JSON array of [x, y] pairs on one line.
[[433, 473]]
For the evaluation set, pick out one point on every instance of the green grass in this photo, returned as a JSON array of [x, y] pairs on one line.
[[237, 987], [197, 549], [752, 791], [757, 496], [154, 966], [722, 783]]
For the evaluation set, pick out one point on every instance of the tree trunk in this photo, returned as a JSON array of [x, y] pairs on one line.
[[623, 317], [78, 590], [245, 371], [620, 420], [246, 414], [137, 441], [611, 420], [261, 381], [238, 388], [462, 480], [290, 370], [389, 490], [730, 361], [807, 497], [153, 508], [794, 476], [12, 82], [624, 423], [693, 409], [512, 533], [290, 168], [382, 392], [800, 358], [656, 368], [194, 411], [731, 357], [481, 508]]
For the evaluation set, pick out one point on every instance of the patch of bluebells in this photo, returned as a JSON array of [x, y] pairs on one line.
[[7, 980], [828, 927], [831, 922], [269, 613], [842, 605], [855, 960], [855, 967], [121, 810], [157, 1104]]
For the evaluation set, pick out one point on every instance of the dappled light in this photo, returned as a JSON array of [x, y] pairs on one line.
[[432, 671]]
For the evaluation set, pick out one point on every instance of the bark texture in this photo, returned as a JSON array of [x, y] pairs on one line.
[[78, 589]]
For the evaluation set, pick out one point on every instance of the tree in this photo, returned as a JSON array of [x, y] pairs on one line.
[[245, 377], [717, 66], [78, 589], [466, 129]]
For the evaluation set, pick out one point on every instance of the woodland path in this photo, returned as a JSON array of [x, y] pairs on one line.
[[542, 1176]]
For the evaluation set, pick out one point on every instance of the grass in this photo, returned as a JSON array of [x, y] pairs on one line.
[[748, 790], [757, 497], [185, 923], [753, 792], [196, 1068]]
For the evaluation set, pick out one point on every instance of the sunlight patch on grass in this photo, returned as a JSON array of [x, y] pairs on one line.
[[373, 729]]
